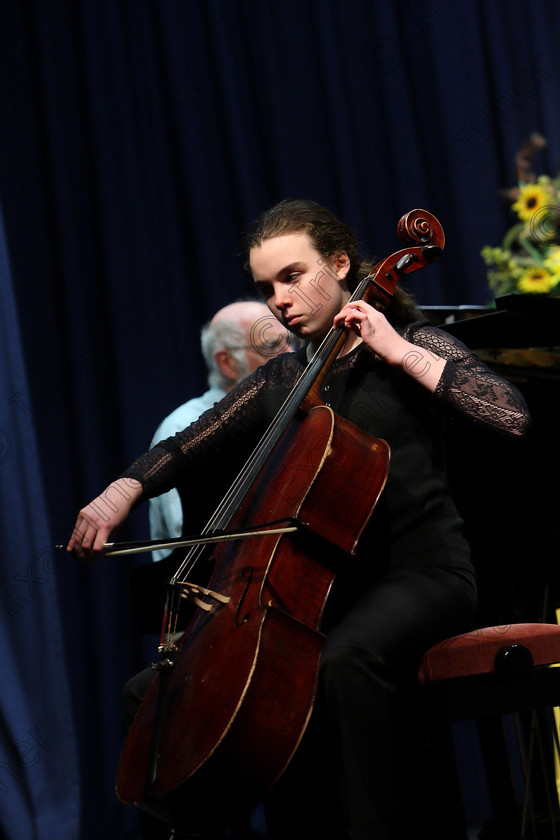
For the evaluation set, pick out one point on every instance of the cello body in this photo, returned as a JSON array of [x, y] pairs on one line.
[[247, 671]]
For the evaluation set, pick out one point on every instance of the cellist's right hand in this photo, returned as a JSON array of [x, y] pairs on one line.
[[98, 520]]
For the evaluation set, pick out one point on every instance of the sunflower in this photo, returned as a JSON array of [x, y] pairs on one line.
[[536, 280], [531, 198]]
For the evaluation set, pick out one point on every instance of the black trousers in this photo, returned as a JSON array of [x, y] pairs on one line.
[[359, 770]]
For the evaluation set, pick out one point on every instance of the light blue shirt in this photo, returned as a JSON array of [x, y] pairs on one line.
[[166, 512]]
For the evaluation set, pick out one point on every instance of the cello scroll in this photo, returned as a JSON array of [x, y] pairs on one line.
[[424, 234]]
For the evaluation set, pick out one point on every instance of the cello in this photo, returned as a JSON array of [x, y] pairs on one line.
[[233, 694]]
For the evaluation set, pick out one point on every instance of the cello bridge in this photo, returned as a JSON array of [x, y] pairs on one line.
[[193, 592]]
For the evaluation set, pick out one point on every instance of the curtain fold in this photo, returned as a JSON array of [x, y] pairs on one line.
[[39, 777]]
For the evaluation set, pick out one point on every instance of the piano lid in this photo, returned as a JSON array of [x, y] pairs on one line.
[[517, 321]]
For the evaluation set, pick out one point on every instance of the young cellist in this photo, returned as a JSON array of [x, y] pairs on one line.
[[411, 583]]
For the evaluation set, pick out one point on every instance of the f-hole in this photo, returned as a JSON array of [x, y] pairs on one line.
[[248, 574]]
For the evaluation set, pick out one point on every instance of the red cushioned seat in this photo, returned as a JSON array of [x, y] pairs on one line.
[[482, 676], [475, 652]]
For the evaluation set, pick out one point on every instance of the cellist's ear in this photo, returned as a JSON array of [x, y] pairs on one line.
[[341, 264]]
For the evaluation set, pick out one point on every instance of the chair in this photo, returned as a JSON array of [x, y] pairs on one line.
[[485, 675]]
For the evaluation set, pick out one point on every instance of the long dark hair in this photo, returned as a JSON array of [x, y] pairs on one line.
[[329, 236]]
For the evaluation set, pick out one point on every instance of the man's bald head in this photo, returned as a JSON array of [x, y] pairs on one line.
[[240, 338]]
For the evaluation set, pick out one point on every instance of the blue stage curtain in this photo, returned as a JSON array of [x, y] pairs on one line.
[[39, 778]]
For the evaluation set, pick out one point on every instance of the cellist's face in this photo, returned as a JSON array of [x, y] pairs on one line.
[[300, 287]]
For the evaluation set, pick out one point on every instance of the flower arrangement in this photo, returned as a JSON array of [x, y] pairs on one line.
[[528, 261]]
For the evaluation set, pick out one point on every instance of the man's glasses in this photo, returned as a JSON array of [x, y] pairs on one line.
[[265, 349]]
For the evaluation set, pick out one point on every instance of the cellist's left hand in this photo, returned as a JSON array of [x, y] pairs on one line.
[[376, 331]]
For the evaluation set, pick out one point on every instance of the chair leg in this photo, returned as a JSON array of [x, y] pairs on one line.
[[446, 802], [501, 787]]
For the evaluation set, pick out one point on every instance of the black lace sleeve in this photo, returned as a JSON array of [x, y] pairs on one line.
[[470, 387], [221, 440]]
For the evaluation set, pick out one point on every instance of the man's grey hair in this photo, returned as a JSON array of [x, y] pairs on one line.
[[224, 335]]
